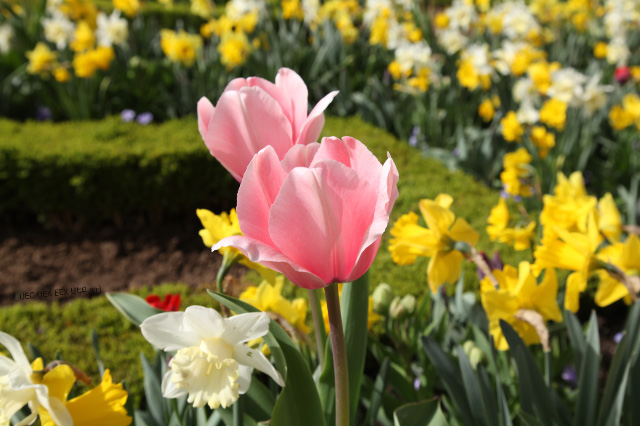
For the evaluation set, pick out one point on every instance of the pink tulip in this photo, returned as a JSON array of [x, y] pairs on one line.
[[316, 216], [254, 113]]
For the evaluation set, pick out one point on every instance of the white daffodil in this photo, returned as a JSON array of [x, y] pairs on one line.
[[6, 34], [20, 386], [112, 29], [212, 364], [58, 29]]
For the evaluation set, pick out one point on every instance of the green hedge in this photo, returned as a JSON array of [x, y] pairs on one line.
[[100, 169]]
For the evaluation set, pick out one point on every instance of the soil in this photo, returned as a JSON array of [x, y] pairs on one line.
[[38, 262]]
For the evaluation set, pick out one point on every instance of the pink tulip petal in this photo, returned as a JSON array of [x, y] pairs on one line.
[[312, 127], [205, 112], [300, 156], [259, 188], [353, 154], [365, 260], [297, 95], [387, 196], [262, 253], [245, 122], [237, 84], [321, 217]]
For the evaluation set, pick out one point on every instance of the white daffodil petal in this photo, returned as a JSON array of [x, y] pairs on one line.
[[206, 322], [244, 327], [14, 348], [167, 331], [169, 389], [254, 358], [244, 379], [6, 365], [56, 408], [12, 400]]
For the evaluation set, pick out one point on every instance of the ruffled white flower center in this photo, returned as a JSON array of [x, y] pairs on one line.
[[208, 373]]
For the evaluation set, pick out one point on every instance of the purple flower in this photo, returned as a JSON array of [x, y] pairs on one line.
[[416, 383], [494, 263], [570, 376], [145, 118], [618, 337], [44, 114], [413, 139], [127, 115]]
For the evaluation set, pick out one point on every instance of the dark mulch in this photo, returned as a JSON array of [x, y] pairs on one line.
[[112, 258]]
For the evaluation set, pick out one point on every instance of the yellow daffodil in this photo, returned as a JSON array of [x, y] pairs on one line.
[[129, 7], [86, 63], [512, 131], [518, 292], [516, 176], [100, 406], [292, 9], [600, 50], [620, 118], [437, 241], [486, 110], [572, 251], [83, 37], [498, 229], [554, 113], [41, 59], [234, 49], [268, 298], [625, 256], [570, 205], [61, 74], [202, 8], [542, 140], [217, 227], [609, 219], [180, 47]]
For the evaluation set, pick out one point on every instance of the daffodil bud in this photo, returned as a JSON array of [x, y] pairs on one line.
[[396, 310], [382, 297], [473, 352], [409, 303]]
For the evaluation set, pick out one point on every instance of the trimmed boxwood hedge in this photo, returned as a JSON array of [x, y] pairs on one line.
[[96, 170]]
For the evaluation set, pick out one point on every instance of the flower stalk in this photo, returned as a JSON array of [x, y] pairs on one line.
[[339, 355]]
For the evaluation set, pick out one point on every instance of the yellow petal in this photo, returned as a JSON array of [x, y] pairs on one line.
[[438, 218], [462, 231], [609, 290], [411, 240], [609, 219], [444, 267], [101, 406], [576, 284]]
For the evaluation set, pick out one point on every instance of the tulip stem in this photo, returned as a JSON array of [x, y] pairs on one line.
[[339, 355], [228, 260], [318, 325]]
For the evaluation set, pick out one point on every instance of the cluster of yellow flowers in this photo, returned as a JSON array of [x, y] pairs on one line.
[[626, 114], [580, 234], [180, 46], [76, 27]]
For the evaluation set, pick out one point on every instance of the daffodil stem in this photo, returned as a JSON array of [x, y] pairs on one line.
[[237, 412], [547, 368], [339, 349], [318, 325]]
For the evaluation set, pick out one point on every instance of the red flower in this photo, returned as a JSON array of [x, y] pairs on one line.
[[171, 302], [622, 74]]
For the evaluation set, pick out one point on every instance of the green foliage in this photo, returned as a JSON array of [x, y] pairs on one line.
[[104, 169]]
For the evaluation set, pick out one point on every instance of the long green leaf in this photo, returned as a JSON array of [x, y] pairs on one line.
[[153, 392], [588, 377], [355, 312], [134, 308], [576, 337], [298, 403], [472, 388], [375, 400], [425, 413], [535, 396], [450, 378]]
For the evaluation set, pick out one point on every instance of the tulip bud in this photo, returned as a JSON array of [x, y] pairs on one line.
[[382, 297], [622, 74]]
